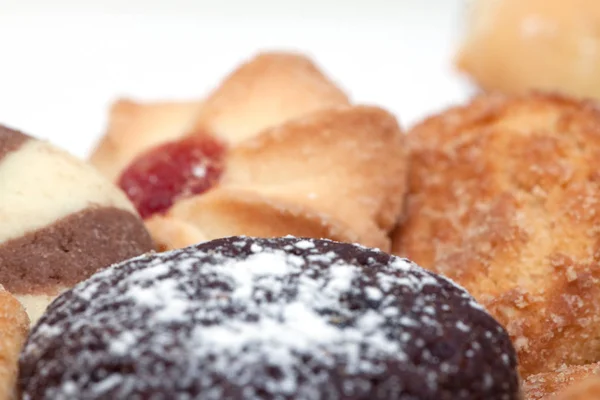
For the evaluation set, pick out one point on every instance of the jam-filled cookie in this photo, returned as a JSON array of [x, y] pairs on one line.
[[276, 149]]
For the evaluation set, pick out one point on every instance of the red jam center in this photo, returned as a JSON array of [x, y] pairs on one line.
[[158, 178]]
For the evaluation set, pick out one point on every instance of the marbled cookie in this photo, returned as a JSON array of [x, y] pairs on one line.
[[60, 221]]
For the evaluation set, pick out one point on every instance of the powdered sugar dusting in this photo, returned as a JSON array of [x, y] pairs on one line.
[[261, 319], [305, 244]]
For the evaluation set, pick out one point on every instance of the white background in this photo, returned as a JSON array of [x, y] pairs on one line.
[[62, 62]]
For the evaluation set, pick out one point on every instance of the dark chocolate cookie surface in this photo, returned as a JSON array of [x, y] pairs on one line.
[[287, 318]]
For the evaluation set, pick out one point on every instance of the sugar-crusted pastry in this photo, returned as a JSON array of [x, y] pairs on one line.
[[286, 318], [277, 140], [60, 221], [516, 45], [580, 382], [588, 389], [504, 198], [14, 326]]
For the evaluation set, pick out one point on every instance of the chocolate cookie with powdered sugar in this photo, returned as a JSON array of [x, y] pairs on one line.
[[285, 318], [60, 221]]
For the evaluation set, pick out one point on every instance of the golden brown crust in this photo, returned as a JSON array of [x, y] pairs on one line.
[[503, 197], [516, 45], [226, 212], [14, 326], [136, 126], [348, 162], [580, 382], [264, 92]]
